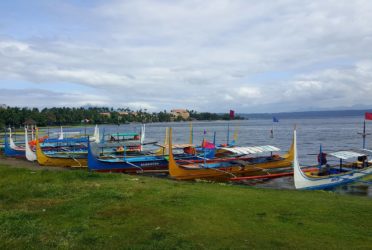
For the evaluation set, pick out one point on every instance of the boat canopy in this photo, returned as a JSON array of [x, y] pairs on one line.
[[66, 140], [252, 149], [345, 155]]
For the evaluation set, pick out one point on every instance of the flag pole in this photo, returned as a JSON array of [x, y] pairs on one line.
[[272, 131], [364, 134], [228, 132], [231, 117]]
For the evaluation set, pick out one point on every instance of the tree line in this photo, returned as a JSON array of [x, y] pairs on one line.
[[17, 117]]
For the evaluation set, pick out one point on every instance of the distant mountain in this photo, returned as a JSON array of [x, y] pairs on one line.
[[340, 108], [308, 114]]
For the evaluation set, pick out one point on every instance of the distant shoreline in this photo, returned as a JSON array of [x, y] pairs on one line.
[[307, 114]]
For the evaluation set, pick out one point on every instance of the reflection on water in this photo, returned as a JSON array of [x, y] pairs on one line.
[[357, 188], [360, 189]]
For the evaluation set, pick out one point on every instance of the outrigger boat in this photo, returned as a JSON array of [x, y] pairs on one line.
[[225, 168], [66, 159], [332, 176], [131, 162], [30, 155], [144, 161], [125, 164], [11, 149]]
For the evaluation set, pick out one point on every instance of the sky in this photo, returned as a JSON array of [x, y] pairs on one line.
[[245, 55]]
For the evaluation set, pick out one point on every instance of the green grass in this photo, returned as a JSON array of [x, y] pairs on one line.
[[81, 210]]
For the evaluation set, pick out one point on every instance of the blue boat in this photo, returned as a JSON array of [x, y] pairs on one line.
[[12, 152], [135, 164]]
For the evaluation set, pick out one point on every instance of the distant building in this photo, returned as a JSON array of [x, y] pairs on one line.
[[3, 106], [107, 114], [122, 113], [180, 113], [29, 122]]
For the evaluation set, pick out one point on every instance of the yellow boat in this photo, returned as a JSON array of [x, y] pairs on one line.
[[222, 170], [70, 161]]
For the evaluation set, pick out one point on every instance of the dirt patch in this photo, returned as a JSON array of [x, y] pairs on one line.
[[20, 163]]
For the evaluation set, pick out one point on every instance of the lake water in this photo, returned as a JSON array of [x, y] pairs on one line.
[[333, 133]]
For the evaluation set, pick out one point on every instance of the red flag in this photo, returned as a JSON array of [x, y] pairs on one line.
[[368, 116], [207, 144], [232, 114]]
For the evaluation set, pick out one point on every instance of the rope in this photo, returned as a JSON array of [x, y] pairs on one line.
[[134, 165], [219, 170]]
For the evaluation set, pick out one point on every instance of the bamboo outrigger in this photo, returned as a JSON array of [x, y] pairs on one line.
[[68, 161], [217, 169]]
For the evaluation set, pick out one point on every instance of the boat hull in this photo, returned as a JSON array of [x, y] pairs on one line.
[[10, 152], [129, 165], [331, 181], [180, 172]]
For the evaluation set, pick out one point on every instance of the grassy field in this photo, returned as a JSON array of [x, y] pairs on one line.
[[81, 210]]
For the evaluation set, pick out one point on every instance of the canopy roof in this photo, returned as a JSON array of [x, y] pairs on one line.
[[66, 140], [252, 149], [345, 155]]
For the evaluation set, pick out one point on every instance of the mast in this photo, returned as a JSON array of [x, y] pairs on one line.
[[228, 133], [364, 134], [191, 139]]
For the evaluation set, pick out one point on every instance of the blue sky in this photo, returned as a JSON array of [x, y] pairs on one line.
[[251, 56]]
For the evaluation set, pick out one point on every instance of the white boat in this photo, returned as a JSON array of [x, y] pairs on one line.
[[343, 174], [12, 144], [30, 155], [61, 135], [95, 137]]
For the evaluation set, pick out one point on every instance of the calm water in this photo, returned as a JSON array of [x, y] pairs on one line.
[[333, 133]]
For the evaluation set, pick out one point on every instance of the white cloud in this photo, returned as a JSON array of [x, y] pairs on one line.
[[200, 55], [38, 98]]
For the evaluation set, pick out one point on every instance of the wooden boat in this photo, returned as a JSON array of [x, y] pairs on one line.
[[96, 135], [137, 163], [335, 176], [10, 149], [125, 164], [271, 175], [221, 169], [30, 155], [68, 160]]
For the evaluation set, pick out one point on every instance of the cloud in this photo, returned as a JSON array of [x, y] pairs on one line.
[[197, 55], [38, 98]]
